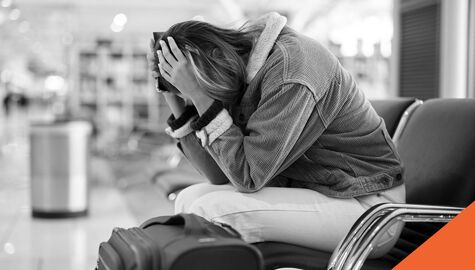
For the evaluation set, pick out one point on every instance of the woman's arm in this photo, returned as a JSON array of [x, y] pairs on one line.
[[176, 104], [189, 144], [251, 161], [274, 141], [191, 149], [201, 160]]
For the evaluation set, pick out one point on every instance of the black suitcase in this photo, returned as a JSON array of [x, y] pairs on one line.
[[180, 242]]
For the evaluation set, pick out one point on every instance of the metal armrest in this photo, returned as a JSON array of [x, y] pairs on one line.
[[360, 241], [358, 229], [404, 118]]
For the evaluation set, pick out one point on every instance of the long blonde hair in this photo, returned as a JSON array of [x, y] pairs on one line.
[[218, 56]]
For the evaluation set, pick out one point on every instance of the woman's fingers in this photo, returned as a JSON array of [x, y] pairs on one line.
[[164, 67], [175, 50], [164, 73], [163, 64], [167, 54]]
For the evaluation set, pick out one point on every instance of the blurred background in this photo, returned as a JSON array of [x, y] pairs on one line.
[[88, 58], [64, 60]]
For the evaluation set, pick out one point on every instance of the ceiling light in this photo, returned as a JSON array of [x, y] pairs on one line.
[[120, 19], [6, 3], [14, 14], [116, 28], [54, 83], [9, 248]]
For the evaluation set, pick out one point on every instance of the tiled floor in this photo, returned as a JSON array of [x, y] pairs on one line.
[[44, 244]]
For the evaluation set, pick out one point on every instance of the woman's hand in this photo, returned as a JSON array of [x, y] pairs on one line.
[[176, 69], [176, 104]]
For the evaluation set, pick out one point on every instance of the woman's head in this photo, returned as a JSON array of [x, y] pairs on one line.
[[218, 56]]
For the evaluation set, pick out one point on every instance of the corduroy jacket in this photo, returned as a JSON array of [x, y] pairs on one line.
[[302, 122]]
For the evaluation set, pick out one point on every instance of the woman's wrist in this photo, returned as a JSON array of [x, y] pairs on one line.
[[176, 123], [176, 104], [208, 116], [202, 102]]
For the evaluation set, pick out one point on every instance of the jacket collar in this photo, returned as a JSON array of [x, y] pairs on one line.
[[274, 23]]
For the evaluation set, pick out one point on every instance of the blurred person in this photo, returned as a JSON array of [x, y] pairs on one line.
[[7, 100], [12, 99], [293, 150]]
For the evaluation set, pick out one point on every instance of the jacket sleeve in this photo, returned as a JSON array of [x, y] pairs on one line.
[[250, 161], [201, 159], [180, 128]]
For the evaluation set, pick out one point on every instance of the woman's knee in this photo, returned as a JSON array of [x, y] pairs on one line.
[[230, 206], [190, 194]]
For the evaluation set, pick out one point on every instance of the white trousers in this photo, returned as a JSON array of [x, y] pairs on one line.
[[291, 215]]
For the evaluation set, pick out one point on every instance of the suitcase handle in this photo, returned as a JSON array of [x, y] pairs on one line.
[[193, 224]]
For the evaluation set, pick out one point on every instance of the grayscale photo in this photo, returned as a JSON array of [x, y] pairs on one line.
[[237, 134]]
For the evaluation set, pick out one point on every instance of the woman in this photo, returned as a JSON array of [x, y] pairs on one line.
[[274, 117]]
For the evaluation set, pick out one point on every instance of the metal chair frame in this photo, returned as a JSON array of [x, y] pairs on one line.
[[404, 119], [353, 250]]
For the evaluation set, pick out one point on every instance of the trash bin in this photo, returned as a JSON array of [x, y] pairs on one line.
[[59, 154]]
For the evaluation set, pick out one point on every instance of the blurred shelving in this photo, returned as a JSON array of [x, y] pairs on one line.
[[115, 76], [59, 38]]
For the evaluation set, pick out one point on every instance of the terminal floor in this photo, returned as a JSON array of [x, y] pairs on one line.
[[121, 195], [28, 243]]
